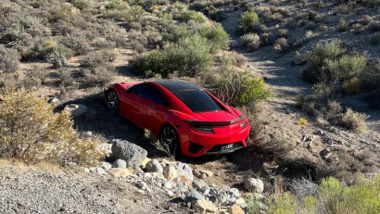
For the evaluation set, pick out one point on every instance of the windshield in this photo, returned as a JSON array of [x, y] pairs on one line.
[[197, 100]]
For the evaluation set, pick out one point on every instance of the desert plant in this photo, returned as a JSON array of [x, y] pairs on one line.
[[248, 20], [31, 132], [302, 121], [98, 58], [190, 56], [190, 15], [342, 26], [346, 67], [355, 121], [9, 59], [282, 33], [250, 41], [82, 4], [352, 86], [281, 45], [57, 58], [240, 89], [216, 36], [29, 21]]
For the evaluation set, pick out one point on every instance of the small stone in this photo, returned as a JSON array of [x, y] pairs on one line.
[[54, 100], [208, 173], [168, 185], [183, 179], [145, 161], [119, 172], [137, 170], [199, 184], [193, 195], [106, 165], [254, 185], [221, 198], [240, 201], [170, 172], [155, 174], [76, 109], [184, 169], [119, 163], [165, 162], [170, 193], [142, 185], [154, 166], [89, 134], [235, 209], [234, 192], [204, 206]]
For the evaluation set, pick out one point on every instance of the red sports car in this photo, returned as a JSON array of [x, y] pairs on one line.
[[184, 117]]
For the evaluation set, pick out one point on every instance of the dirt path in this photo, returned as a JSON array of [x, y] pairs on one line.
[[279, 114]]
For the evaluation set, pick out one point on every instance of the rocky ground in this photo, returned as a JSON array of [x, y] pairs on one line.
[[129, 183]]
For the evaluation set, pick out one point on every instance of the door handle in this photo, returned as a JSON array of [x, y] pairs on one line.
[[151, 105]]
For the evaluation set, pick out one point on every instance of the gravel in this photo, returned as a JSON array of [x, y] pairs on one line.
[[30, 190]]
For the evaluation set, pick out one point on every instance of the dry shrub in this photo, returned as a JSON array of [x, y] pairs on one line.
[[98, 58], [31, 132], [281, 45], [342, 26], [250, 41], [99, 76], [231, 58], [355, 121], [352, 86], [9, 60]]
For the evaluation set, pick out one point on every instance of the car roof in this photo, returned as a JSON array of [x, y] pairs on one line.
[[176, 85]]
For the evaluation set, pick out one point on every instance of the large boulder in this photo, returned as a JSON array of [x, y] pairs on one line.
[[184, 169], [204, 206], [254, 185], [133, 154], [154, 166]]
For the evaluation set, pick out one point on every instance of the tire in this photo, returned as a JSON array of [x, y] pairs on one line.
[[113, 102], [169, 140]]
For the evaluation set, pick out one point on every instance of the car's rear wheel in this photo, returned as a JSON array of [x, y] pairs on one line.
[[113, 101], [170, 141]]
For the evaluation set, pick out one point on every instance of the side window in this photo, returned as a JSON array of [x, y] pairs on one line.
[[150, 93]]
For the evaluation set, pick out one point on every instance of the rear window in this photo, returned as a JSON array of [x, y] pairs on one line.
[[197, 100]]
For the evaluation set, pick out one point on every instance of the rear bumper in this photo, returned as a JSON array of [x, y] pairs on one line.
[[225, 140]]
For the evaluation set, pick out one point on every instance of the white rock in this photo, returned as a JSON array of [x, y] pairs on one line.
[[184, 169], [170, 172], [119, 163], [76, 109], [254, 185], [154, 166]]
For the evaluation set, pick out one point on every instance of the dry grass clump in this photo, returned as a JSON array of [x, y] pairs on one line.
[[355, 121], [231, 58], [31, 132], [281, 45], [250, 41], [9, 60]]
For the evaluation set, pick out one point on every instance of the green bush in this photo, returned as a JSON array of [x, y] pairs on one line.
[[9, 60], [216, 35], [82, 4], [190, 15], [286, 204], [248, 20], [346, 67], [189, 56], [118, 5], [31, 132], [238, 89]]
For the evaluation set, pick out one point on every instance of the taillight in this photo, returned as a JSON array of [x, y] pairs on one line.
[[243, 124], [205, 129]]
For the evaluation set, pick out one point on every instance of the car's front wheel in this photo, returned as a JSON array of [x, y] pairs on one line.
[[113, 101], [170, 141]]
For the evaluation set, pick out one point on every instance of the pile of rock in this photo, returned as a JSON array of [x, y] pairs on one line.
[[175, 179]]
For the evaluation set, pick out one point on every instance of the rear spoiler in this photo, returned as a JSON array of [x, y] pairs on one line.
[[212, 123]]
